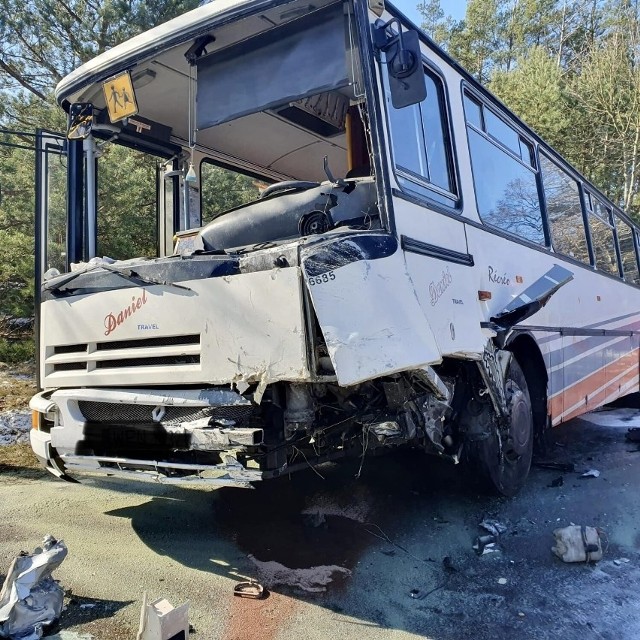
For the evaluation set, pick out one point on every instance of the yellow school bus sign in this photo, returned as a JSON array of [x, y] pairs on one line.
[[120, 98]]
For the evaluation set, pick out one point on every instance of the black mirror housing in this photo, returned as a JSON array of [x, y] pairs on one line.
[[80, 120], [404, 61]]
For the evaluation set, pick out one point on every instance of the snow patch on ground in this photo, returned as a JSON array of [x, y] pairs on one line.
[[14, 427], [312, 580], [618, 418]]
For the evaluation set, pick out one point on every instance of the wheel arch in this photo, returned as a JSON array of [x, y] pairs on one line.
[[529, 357]]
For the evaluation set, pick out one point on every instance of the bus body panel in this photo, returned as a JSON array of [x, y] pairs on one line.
[[247, 327]]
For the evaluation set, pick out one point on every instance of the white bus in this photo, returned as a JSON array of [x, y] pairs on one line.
[[422, 270]]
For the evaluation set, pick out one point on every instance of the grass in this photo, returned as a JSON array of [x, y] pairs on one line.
[[15, 392], [18, 456]]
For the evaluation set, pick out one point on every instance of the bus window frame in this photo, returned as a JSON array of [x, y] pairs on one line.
[[457, 206], [589, 207], [571, 173], [533, 166]]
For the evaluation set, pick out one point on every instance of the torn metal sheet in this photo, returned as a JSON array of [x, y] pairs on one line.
[[533, 298], [367, 307], [30, 598]]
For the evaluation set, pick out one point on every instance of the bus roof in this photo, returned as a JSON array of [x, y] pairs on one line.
[[181, 29]]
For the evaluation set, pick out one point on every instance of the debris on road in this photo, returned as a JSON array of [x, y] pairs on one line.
[[160, 620], [633, 434], [494, 527], [555, 466], [557, 482], [577, 544], [620, 561], [502, 581], [249, 589], [484, 545], [592, 473], [30, 598]]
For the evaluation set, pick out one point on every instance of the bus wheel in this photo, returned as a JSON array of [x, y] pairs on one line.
[[501, 462]]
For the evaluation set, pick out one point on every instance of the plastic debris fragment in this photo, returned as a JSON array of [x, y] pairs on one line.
[[31, 599]]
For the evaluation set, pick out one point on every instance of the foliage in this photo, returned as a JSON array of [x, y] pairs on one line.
[[40, 42], [569, 68], [223, 189]]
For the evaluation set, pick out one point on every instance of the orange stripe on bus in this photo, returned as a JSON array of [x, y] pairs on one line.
[[573, 395], [601, 396]]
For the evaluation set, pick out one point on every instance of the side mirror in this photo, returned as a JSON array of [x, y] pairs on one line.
[[80, 120], [404, 61]]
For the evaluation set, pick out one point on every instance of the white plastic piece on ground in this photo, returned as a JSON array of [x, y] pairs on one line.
[[592, 473], [160, 620], [577, 544], [30, 598]]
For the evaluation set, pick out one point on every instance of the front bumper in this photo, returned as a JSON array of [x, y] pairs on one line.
[[66, 449]]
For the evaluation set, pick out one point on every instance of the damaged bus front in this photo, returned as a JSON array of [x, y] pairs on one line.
[[312, 295]]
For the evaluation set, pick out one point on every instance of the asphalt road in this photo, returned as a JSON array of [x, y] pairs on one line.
[[349, 551]]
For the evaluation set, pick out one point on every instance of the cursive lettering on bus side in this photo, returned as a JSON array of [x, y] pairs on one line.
[[496, 278], [112, 320], [437, 288]]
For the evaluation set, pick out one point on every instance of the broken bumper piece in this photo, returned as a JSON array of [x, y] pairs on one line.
[[229, 473]]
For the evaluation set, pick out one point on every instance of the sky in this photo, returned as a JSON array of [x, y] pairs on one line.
[[454, 8]]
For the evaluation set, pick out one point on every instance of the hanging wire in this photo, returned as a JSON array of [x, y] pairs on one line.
[[191, 174]]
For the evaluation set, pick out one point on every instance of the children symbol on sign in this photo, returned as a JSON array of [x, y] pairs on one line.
[[126, 98], [115, 98]]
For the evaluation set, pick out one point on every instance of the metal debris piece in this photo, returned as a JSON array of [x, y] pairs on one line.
[[30, 598], [592, 473], [484, 544], [249, 589], [494, 527], [577, 544]]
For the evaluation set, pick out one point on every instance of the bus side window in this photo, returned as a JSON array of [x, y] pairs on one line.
[[421, 145], [627, 251], [504, 178], [564, 211], [602, 238]]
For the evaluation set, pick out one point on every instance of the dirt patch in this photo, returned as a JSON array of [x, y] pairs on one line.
[[18, 458], [16, 388]]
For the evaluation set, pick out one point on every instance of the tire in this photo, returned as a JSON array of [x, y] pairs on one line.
[[506, 473]]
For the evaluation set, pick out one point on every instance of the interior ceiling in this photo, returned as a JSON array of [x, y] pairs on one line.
[[263, 140]]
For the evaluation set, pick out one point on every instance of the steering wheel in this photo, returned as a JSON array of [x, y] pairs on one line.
[[298, 185]]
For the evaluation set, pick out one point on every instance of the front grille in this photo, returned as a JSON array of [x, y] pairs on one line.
[[147, 362], [70, 348], [171, 351], [148, 342], [118, 413]]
